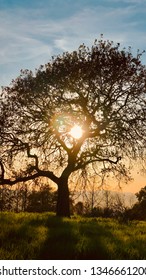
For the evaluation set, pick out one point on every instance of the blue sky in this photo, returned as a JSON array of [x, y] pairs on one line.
[[31, 31]]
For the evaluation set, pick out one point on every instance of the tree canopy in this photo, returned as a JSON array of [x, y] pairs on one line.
[[141, 195], [98, 92]]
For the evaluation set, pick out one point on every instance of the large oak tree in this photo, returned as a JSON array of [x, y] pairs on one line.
[[98, 92]]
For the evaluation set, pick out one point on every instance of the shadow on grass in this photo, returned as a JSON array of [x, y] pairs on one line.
[[83, 240], [44, 236], [91, 239], [60, 241]]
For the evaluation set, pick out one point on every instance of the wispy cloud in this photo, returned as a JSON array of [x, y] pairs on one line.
[[29, 39], [128, 1]]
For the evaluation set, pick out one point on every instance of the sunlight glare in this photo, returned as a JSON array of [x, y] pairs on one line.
[[76, 132]]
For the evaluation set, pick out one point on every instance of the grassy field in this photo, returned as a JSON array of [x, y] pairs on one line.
[[43, 236]]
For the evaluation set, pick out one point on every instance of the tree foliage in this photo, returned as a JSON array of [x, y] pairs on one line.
[[141, 195], [102, 89], [28, 198], [138, 211]]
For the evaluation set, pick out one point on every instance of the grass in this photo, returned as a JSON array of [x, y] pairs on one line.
[[28, 236]]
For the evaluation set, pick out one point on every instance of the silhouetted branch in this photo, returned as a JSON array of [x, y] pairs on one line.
[[40, 173], [83, 165]]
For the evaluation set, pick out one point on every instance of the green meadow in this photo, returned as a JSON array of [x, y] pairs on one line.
[[30, 236]]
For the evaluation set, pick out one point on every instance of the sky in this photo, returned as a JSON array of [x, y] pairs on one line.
[[32, 31]]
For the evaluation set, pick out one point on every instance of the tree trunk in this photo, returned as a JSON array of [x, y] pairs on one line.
[[63, 209]]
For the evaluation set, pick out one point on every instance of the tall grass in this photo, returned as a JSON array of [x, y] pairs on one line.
[[44, 236]]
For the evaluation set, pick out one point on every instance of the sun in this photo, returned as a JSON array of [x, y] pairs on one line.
[[76, 132]]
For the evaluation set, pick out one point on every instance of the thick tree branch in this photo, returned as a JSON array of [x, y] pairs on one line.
[[31, 156], [40, 173], [2, 171]]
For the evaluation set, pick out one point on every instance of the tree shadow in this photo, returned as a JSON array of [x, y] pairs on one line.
[[89, 240], [47, 237], [60, 241], [75, 240]]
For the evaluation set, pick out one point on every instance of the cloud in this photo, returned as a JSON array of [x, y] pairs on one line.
[[30, 37], [126, 1], [18, 41]]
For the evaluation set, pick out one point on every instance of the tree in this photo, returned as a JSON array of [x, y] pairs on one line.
[[138, 210], [141, 195], [83, 110], [6, 199], [79, 208], [140, 207], [41, 200]]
